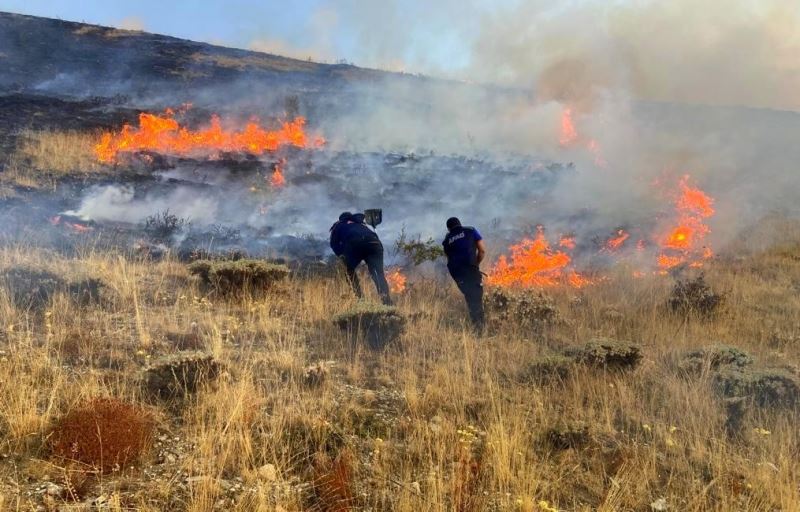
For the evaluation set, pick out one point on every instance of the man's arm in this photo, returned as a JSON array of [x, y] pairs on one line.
[[481, 250]]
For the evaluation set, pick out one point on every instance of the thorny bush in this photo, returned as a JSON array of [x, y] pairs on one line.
[[103, 433]]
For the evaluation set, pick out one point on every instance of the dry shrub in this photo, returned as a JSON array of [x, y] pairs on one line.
[[377, 324], [103, 434], [694, 297], [714, 358], [333, 482], [162, 226], [238, 278], [555, 367], [526, 308], [178, 376], [316, 374], [765, 387], [607, 353], [568, 434]]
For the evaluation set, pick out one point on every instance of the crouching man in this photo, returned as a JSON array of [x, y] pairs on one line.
[[353, 241], [465, 250]]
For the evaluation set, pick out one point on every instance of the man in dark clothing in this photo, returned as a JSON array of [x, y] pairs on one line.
[[465, 250], [354, 242]]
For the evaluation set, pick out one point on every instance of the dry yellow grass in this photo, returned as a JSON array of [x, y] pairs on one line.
[[41, 156], [437, 422]]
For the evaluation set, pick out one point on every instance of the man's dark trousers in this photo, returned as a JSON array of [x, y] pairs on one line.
[[469, 281], [371, 252]]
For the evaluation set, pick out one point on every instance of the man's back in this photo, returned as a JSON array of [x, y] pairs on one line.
[[461, 247]]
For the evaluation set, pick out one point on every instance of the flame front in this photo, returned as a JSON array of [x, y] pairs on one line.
[[396, 280], [683, 242], [163, 134], [534, 264]]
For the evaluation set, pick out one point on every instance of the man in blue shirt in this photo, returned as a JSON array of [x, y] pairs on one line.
[[465, 250], [354, 242]]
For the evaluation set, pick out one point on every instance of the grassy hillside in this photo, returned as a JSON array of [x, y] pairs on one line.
[[299, 417]]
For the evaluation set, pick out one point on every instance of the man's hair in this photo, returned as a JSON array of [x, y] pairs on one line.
[[345, 216], [453, 222]]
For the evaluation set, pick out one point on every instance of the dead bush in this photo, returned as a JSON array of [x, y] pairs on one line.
[[694, 297], [376, 324], [238, 278], [163, 226], [765, 387], [714, 358], [333, 481], [570, 434], [548, 368], [178, 376], [526, 308], [607, 353], [316, 375], [103, 433]]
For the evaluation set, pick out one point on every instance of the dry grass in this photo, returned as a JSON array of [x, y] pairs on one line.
[[42, 155], [438, 421]]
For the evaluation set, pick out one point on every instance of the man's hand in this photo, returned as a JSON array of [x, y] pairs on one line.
[[481, 251]]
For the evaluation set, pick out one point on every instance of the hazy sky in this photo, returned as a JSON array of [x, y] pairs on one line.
[[322, 29], [732, 52]]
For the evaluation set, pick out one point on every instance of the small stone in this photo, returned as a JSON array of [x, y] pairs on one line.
[[660, 505], [54, 490], [171, 458], [268, 473]]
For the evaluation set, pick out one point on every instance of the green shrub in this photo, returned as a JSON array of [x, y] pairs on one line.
[[607, 353], [417, 251], [240, 277], [377, 324]]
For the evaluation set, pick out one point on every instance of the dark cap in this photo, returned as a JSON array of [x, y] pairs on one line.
[[345, 216], [453, 222]]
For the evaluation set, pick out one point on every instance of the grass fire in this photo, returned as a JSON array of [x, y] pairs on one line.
[[546, 266]]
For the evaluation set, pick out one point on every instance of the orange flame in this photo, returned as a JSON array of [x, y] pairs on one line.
[[534, 264], [277, 180], [74, 226], [683, 242], [396, 280], [163, 134], [616, 242], [568, 132], [567, 242]]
